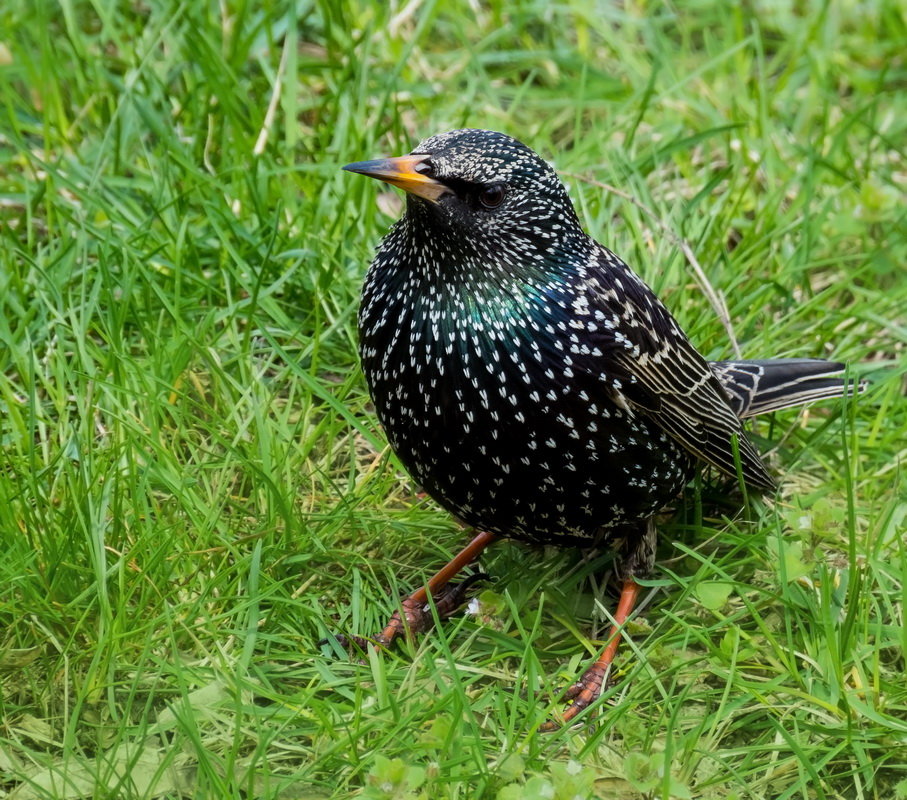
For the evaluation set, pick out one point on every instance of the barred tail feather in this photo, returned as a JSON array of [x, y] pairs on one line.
[[758, 387]]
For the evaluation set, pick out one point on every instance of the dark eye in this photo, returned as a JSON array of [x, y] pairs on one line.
[[492, 196], [425, 168]]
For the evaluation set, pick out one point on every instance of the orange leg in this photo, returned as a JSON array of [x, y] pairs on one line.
[[585, 691], [447, 596]]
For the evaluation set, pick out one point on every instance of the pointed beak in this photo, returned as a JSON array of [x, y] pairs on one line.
[[405, 172]]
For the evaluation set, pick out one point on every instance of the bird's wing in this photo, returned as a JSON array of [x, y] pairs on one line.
[[660, 374]]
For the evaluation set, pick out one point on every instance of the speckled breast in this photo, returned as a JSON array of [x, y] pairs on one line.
[[497, 421]]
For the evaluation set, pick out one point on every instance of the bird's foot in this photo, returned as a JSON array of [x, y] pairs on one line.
[[416, 616], [587, 689], [581, 695]]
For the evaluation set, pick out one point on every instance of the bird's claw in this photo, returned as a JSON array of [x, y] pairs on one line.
[[573, 692], [451, 597], [416, 617], [580, 695]]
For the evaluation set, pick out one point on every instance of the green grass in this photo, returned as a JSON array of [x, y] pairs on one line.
[[194, 490]]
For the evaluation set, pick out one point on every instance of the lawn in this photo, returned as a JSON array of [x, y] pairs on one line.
[[194, 490]]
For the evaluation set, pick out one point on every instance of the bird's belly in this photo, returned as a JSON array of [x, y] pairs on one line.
[[541, 461]]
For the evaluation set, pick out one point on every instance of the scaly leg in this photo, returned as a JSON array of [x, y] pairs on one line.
[[447, 596], [636, 556], [587, 689]]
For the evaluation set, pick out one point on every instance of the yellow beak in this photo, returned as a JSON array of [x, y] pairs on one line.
[[404, 173]]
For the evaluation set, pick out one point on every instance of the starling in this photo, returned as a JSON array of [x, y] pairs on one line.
[[531, 382]]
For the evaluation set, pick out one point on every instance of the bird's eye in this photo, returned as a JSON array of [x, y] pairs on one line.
[[492, 196], [425, 168]]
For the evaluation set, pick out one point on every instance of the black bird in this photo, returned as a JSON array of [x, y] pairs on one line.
[[531, 382]]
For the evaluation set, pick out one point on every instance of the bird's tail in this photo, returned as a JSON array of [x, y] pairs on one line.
[[758, 387]]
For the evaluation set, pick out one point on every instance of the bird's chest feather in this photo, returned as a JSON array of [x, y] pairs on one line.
[[459, 377], [493, 406]]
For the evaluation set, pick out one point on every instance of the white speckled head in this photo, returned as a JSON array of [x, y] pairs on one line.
[[499, 192], [481, 156]]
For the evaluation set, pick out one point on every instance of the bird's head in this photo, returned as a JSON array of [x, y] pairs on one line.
[[482, 187]]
